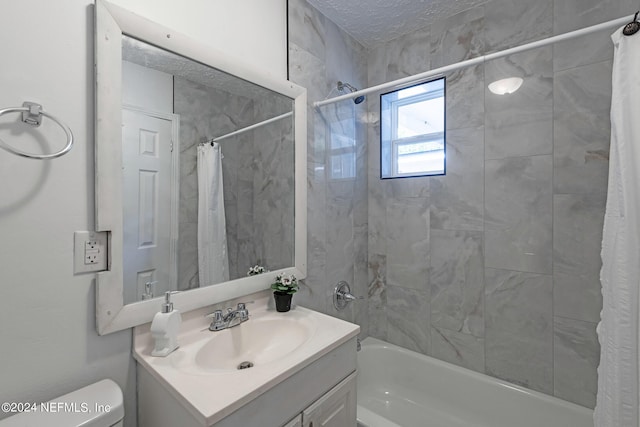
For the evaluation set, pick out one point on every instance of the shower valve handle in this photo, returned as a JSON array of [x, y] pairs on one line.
[[342, 295], [350, 297]]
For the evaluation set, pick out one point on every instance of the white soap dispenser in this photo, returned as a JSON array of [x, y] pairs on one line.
[[165, 328]]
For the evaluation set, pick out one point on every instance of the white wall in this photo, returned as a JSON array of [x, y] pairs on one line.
[[48, 343], [253, 31], [146, 88]]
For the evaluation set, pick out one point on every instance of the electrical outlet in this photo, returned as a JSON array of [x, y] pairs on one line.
[[91, 257], [90, 251]]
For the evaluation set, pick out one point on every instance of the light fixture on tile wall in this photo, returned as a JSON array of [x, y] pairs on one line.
[[505, 86]]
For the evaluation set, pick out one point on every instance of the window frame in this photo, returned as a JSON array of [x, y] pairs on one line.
[[394, 142]]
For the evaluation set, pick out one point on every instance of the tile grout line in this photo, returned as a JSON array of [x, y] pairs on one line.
[[553, 217], [484, 204]]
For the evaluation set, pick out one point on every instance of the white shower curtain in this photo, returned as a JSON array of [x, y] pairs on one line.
[[213, 260], [617, 400]]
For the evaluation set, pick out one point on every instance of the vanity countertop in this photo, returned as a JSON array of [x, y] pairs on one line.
[[212, 394]]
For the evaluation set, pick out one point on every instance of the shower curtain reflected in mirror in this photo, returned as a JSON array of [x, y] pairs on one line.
[[213, 258]]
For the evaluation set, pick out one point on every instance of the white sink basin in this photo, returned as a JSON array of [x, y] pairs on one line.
[[267, 337], [258, 341]]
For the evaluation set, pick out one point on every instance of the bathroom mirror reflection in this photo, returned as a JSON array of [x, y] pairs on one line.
[[201, 206], [200, 171]]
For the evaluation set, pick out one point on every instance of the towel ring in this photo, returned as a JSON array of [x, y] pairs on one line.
[[32, 115]]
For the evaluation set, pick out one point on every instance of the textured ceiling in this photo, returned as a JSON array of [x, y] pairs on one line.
[[375, 21]]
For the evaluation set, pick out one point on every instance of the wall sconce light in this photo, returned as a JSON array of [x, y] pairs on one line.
[[505, 86]]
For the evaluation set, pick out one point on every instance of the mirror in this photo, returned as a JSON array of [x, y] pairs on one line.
[[189, 134], [200, 171]]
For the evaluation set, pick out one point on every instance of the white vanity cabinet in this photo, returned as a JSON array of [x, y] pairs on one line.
[[322, 394], [296, 422], [337, 408]]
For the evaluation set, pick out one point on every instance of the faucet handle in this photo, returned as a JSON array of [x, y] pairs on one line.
[[218, 322], [350, 297], [243, 305], [243, 313], [216, 315]]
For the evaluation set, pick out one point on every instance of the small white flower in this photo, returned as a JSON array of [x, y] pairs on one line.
[[256, 269]]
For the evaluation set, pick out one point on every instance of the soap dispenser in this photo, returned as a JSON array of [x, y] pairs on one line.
[[165, 328]]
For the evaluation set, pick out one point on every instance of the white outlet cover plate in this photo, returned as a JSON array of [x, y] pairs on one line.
[[80, 238]]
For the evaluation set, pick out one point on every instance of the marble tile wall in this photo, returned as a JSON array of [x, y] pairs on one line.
[[273, 189], [320, 55], [495, 266]]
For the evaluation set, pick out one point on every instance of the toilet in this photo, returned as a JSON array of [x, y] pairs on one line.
[[96, 405]]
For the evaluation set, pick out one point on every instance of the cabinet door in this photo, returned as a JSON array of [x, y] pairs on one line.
[[296, 422], [337, 408]]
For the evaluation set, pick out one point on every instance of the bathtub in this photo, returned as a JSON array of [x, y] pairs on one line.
[[401, 388]]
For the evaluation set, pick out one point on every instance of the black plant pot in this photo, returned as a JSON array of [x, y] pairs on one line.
[[283, 301]]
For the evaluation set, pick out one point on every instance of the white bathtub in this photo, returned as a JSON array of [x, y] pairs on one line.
[[398, 387]]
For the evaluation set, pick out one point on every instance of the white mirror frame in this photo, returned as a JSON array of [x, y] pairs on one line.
[[111, 23]]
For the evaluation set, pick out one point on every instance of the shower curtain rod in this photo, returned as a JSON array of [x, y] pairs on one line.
[[248, 128], [399, 83]]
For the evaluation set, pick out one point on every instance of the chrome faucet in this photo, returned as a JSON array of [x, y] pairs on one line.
[[229, 319]]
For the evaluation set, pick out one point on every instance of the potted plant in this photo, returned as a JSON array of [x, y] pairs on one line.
[[255, 270], [283, 288]]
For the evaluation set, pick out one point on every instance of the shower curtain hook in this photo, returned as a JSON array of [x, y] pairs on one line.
[[632, 27]]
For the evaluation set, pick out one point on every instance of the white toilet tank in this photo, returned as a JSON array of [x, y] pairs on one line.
[[96, 405]]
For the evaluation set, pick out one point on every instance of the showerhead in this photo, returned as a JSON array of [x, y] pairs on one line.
[[343, 85]]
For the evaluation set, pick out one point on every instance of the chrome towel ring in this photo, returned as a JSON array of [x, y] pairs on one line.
[[32, 115]]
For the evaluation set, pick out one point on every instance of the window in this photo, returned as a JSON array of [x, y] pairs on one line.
[[412, 131]]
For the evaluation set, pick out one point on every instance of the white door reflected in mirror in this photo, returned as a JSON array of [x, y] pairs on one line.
[[150, 224]]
